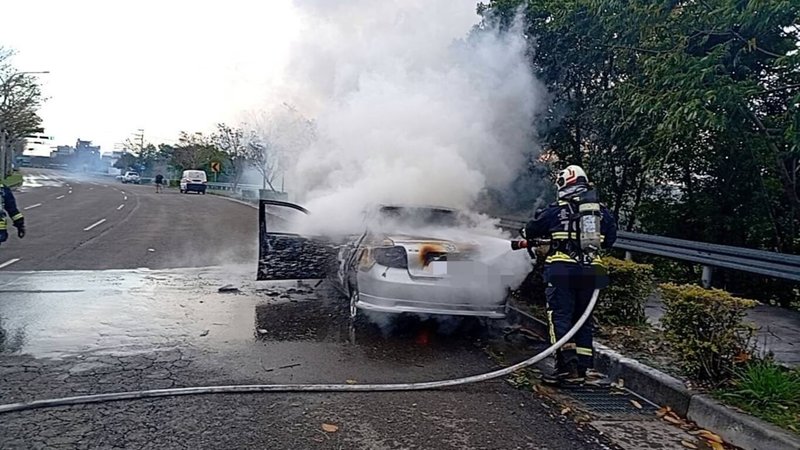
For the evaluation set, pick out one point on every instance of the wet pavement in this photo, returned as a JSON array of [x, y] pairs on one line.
[[78, 332]]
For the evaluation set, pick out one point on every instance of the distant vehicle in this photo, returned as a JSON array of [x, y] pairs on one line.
[[131, 177], [193, 181]]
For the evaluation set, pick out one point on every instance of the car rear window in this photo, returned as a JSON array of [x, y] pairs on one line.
[[420, 215]]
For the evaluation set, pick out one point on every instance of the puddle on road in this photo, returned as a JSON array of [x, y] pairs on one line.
[[64, 314]]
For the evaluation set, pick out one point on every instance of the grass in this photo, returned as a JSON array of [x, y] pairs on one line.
[[13, 180], [768, 391]]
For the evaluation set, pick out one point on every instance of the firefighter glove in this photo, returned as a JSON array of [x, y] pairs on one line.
[[20, 224]]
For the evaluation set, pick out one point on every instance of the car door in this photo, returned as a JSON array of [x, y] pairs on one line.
[[286, 254]]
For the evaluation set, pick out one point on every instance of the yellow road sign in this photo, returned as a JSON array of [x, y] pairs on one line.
[[215, 166]]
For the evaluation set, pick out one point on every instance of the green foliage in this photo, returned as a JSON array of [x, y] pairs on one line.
[[126, 161], [768, 391], [622, 303], [13, 180], [685, 113], [706, 329]]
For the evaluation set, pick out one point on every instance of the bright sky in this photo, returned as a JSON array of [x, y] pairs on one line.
[[164, 66]]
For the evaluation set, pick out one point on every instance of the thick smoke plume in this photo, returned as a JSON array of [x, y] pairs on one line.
[[411, 105]]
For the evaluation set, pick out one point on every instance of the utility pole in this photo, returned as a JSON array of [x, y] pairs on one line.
[[140, 137]]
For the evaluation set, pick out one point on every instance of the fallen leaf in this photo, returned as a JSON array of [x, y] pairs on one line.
[[672, 419], [794, 428], [329, 428], [688, 444], [663, 411], [705, 434], [351, 381], [716, 446], [636, 404], [566, 411]]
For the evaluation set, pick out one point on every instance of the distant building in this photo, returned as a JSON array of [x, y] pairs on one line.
[[63, 150], [86, 147], [38, 145]]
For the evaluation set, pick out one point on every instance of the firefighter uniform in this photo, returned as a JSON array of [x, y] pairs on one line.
[[9, 213], [571, 279]]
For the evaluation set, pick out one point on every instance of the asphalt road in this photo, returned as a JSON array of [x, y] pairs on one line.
[[71, 326], [75, 222]]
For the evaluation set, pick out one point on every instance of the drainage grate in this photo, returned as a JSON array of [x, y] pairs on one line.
[[610, 401]]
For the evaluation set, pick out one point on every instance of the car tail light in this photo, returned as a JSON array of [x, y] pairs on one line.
[[394, 257]]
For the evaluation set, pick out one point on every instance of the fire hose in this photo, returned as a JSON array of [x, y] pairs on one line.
[[255, 388]]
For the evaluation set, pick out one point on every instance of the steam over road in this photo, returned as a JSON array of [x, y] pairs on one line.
[[77, 222]]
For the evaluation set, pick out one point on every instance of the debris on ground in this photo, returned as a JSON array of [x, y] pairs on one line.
[[204, 333], [228, 288], [329, 428]]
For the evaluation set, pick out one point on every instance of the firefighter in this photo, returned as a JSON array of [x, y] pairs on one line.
[[9, 213], [577, 226]]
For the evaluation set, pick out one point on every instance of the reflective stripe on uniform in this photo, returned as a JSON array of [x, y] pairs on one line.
[[2, 224], [563, 235], [16, 217], [552, 327], [559, 257], [584, 351]]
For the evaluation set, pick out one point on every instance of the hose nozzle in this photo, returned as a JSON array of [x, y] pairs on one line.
[[519, 244]]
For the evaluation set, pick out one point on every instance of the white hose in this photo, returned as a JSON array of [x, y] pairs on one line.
[[239, 389]]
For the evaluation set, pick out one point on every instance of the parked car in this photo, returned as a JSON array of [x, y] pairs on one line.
[[193, 181], [131, 177], [409, 259]]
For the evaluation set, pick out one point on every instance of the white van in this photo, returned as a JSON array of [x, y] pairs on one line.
[[193, 180]]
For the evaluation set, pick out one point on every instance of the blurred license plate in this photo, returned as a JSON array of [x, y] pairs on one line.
[[438, 267]]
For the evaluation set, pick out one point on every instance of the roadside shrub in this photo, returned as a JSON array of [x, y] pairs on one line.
[[706, 329], [768, 391], [623, 301]]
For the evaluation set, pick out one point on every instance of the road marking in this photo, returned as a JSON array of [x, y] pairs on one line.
[[32, 206], [9, 262], [91, 189], [121, 206], [94, 224], [59, 197], [70, 192], [125, 198]]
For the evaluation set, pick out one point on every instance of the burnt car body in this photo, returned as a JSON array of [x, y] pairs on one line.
[[407, 259]]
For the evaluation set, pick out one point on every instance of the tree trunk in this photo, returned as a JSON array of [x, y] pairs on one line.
[[620, 191], [636, 202]]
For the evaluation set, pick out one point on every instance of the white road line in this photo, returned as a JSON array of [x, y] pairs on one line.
[[70, 192], [91, 189], [9, 262], [59, 197], [32, 206], [125, 198], [94, 224], [120, 206]]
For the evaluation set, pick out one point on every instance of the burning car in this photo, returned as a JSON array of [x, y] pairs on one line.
[[407, 259]]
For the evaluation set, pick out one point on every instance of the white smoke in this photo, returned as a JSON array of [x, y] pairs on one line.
[[409, 107]]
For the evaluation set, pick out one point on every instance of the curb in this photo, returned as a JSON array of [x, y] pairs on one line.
[[739, 429], [233, 199]]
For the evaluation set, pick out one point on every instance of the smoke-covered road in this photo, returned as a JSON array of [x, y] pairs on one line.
[[78, 222]]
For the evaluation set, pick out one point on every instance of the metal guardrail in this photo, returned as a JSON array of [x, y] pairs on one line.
[[230, 187], [761, 262]]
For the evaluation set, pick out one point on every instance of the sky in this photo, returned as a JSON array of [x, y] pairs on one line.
[[162, 66]]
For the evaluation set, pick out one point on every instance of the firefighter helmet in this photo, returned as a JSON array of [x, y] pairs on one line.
[[570, 176]]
